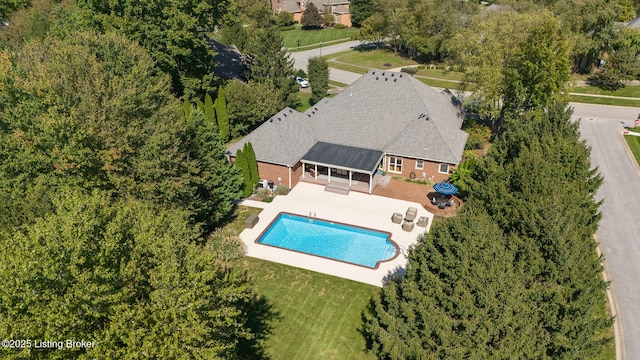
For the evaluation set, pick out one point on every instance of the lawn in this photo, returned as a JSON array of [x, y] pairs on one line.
[[317, 316], [313, 316], [312, 37], [634, 145], [627, 91], [604, 101]]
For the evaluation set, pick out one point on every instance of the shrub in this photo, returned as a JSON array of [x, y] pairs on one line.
[[282, 190], [226, 244], [268, 199], [340, 26], [287, 28], [479, 134], [409, 70], [421, 67], [301, 73]]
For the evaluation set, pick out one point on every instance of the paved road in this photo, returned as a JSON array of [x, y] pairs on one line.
[[619, 231], [301, 58]]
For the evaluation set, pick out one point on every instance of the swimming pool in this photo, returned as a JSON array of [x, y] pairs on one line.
[[336, 241]]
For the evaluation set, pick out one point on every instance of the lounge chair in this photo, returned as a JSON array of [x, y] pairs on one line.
[[408, 225], [411, 214], [423, 221], [396, 218]]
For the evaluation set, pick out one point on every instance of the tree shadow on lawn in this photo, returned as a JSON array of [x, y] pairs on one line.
[[259, 318]]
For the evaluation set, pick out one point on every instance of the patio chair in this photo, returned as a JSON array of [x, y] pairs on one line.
[[450, 202], [434, 200], [423, 221], [408, 225], [442, 205], [411, 214], [396, 218]]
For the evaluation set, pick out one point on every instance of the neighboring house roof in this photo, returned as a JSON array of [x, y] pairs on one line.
[[341, 9], [291, 6], [635, 23], [347, 157], [385, 111], [228, 60]]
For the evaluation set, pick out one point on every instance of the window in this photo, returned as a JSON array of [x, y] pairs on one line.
[[395, 164], [444, 169], [419, 164]]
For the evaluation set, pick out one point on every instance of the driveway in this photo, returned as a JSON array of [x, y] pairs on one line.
[[619, 232]]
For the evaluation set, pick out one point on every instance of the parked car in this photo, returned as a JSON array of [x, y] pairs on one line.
[[302, 82]]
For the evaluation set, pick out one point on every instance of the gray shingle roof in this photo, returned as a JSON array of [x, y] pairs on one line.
[[635, 23], [387, 111]]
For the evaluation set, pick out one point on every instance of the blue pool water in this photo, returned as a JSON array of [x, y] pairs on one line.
[[326, 239]]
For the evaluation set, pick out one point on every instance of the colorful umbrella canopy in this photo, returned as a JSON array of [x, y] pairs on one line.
[[445, 188]]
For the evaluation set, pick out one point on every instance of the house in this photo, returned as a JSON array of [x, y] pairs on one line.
[[338, 8], [384, 121]]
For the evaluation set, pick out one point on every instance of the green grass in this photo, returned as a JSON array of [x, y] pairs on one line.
[[305, 98], [634, 145], [627, 91], [375, 59], [310, 38], [318, 316], [604, 101], [337, 84]]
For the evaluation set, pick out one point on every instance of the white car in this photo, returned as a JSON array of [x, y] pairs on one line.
[[302, 82]]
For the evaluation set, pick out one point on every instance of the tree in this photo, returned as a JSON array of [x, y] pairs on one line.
[[99, 116], [311, 18], [268, 63], [252, 163], [120, 273], [242, 164], [222, 116], [209, 110], [8, 7], [249, 105], [375, 29], [516, 63], [361, 10], [461, 297], [174, 35], [319, 78], [621, 64]]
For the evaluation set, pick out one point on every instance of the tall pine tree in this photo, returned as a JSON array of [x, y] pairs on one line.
[[222, 115], [319, 78]]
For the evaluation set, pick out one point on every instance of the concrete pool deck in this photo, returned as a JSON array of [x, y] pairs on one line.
[[359, 209]]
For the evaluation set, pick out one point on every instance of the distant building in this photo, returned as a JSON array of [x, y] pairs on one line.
[[338, 8]]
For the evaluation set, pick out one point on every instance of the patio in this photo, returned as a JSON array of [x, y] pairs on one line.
[[356, 208]]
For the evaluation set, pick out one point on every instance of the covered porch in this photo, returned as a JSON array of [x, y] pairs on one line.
[[353, 167]]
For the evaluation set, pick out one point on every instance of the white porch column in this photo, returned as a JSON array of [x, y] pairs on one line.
[[329, 172], [370, 183], [289, 168], [350, 172], [304, 169], [315, 173]]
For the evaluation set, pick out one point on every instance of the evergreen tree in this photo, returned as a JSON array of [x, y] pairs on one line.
[[252, 164], [242, 164], [361, 10], [461, 297], [531, 214], [268, 63], [311, 18], [209, 110], [319, 78], [222, 116]]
